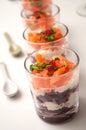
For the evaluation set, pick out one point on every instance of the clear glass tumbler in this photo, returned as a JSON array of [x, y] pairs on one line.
[[56, 98], [62, 41], [41, 17]]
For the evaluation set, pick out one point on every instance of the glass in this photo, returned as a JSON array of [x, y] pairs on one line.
[[56, 98], [31, 19], [32, 46], [81, 10]]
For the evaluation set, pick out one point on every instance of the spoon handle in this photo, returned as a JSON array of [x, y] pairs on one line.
[[8, 38], [4, 70]]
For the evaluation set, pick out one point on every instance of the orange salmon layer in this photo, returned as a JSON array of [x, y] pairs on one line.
[[45, 36], [49, 37], [51, 73]]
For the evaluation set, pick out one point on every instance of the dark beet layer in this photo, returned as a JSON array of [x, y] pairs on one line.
[[56, 97], [58, 119], [59, 115]]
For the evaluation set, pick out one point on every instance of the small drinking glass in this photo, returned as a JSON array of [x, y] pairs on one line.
[[56, 98], [62, 41], [41, 17]]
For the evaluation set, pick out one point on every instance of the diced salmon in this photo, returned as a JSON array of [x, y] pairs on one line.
[[70, 65], [40, 58]]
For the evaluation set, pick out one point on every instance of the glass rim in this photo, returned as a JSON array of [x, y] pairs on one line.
[[59, 23], [77, 63], [56, 6]]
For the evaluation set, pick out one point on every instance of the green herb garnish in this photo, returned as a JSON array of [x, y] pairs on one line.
[[31, 67], [49, 37], [56, 58], [48, 65], [55, 68], [43, 65], [35, 66]]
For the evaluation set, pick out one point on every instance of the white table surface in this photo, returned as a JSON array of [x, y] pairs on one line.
[[18, 113]]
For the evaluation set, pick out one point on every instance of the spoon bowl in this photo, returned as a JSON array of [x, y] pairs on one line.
[[10, 88], [14, 49]]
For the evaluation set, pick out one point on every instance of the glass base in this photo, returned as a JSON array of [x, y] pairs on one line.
[[59, 119], [58, 116], [81, 10]]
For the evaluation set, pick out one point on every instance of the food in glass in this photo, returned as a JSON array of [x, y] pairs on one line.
[[56, 35], [41, 18], [37, 18], [53, 75]]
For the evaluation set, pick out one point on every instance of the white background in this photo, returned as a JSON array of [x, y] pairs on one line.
[[18, 113]]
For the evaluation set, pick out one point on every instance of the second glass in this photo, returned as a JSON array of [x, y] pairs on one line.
[[56, 35]]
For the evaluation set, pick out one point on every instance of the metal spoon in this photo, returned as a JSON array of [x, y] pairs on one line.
[[10, 89], [14, 49]]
